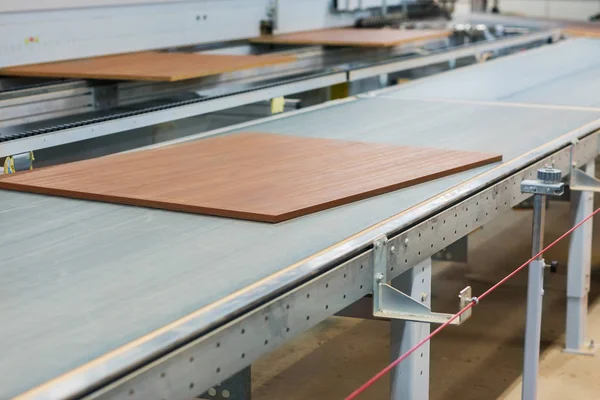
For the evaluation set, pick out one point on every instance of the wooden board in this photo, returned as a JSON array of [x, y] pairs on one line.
[[582, 29], [255, 176], [354, 37], [147, 66]]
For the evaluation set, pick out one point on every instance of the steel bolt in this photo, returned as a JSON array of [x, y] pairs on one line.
[[406, 241], [392, 249], [379, 277], [424, 297]]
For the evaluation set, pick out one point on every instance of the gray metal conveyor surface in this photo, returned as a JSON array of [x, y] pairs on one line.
[[566, 74], [80, 279]]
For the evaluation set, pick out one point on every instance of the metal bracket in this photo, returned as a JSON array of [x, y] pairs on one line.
[[105, 96], [540, 187], [578, 179], [391, 303], [589, 349], [582, 181]]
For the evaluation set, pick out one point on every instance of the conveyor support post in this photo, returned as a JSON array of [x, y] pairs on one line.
[[410, 379], [582, 185], [548, 183]]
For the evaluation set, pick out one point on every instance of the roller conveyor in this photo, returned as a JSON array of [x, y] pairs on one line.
[[82, 279]]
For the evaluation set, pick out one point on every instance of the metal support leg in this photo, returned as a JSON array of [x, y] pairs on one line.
[[548, 183], [578, 278], [535, 293], [410, 379]]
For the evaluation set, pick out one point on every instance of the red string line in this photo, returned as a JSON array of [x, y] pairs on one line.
[[474, 301]]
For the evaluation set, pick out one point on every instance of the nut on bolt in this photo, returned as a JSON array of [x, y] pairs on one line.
[[379, 277]]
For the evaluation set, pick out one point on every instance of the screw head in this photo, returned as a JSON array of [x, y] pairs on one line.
[[424, 297], [392, 249], [379, 277], [406, 241]]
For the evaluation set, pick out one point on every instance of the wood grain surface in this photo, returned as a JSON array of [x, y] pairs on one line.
[[147, 66], [583, 29], [254, 176], [354, 37]]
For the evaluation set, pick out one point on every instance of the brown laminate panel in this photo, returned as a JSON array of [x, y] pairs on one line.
[[254, 176], [354, 37], [147, 66], [583, 29]]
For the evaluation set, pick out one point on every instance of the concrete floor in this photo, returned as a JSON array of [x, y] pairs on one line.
[[481, 359]]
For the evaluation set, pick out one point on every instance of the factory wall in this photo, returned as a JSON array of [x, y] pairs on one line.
[[580, 10]]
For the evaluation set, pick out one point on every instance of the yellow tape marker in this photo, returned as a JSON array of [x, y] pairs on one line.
[[9, 165], [340, 91], [277, 105]]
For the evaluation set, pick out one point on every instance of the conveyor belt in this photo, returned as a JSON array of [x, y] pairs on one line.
[[566, 75], [81, 278]]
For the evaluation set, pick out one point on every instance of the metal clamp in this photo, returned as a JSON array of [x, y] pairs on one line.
[[391, 303], [548, 183]]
